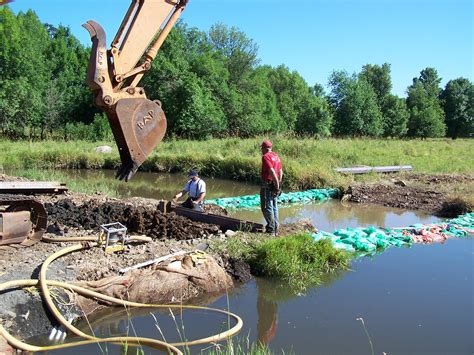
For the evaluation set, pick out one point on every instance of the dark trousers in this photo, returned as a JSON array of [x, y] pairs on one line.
[[269, 207], [189, 204]]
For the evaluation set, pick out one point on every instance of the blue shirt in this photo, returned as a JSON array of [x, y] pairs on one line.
[[195, 188]]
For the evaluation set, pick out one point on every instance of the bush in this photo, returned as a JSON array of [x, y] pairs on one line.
[[98, 130]]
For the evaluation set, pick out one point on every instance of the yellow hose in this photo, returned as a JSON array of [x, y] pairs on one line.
[[136, 238], [44, 284]]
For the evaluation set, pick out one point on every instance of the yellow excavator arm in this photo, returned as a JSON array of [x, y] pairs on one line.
[[138, 124]]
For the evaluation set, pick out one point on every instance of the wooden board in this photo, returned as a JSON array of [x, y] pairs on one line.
[[223, 221], [25, 187]]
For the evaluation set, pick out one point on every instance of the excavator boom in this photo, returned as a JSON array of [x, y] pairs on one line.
[[138, 124]]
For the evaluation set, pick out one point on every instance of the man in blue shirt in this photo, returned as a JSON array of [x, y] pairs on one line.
[[196, 190]]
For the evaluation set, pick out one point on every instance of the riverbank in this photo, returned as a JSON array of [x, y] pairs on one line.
[[78, 215], [308, 163]]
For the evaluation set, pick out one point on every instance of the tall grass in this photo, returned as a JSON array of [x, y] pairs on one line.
[[297, 260], [308, 163], [239, 347]]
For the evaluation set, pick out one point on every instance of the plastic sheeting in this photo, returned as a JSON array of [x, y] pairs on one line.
[[253, 201], [372, 239]]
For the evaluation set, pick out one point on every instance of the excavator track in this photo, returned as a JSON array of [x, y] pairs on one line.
[[24, 206]]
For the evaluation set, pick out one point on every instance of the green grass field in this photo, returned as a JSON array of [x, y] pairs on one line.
[[308, 163]]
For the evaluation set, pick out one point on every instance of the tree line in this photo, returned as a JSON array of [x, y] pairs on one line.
[[213, 85]]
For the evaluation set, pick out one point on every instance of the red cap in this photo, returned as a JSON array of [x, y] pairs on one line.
[[266, 144]]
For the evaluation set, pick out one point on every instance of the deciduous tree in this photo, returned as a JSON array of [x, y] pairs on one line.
[[458, 104]]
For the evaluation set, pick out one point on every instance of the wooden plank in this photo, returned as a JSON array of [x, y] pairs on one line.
[[32, 186], [223, 221], [377, 169]]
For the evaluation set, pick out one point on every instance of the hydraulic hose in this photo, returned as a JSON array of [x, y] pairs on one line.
[[43, 283], [137, 238]]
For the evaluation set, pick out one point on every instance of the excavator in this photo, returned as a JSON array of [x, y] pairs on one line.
[[113, 75], [138, 124]]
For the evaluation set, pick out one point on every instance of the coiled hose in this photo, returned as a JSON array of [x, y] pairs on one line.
[[43, 284]]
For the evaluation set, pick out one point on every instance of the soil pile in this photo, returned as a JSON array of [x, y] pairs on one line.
[[430, 193], [138, 215], [397, 196]]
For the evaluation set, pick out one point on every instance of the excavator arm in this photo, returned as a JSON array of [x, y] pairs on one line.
[[138, 124]]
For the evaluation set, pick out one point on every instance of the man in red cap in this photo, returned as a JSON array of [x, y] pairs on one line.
[[272, 174]]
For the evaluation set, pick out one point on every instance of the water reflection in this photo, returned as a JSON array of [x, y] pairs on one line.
[[272, 293], [160, 186], [332, 214]]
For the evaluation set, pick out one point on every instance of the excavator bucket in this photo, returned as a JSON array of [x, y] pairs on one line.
[[138, 126]]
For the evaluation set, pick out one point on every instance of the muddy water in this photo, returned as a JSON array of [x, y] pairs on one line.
[[416, 300]]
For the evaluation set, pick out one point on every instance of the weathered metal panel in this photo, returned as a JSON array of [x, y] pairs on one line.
[[223, 221]]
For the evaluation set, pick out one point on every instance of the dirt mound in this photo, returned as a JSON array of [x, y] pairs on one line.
[[454, 208], [397, 196], [141, 218]]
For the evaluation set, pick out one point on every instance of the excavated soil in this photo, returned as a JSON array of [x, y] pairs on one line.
[[430, 193], [139, 215]]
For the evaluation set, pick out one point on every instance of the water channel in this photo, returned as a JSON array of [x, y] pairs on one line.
[[416, 300]]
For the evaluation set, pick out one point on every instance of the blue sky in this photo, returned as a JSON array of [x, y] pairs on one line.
[[315, 37]]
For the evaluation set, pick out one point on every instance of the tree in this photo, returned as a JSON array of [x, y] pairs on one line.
[[378, 77], [198, 115], [318, 90], [239, 50], [426, 115], [458, 104], [316, 120], [395, 116], [23, 71], [355, 105], [430, 80]]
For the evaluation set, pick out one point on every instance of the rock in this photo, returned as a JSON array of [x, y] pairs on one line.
[[400, 183], [103, 149], [229, 233], [202, 246]]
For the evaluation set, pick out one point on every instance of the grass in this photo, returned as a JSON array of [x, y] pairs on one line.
[[297, 260], [308, 163], [239, 346]]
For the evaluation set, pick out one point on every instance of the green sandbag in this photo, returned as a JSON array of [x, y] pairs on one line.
[[253, 201]]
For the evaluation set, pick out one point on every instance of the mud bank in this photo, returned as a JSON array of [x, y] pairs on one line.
[[436, 194]]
